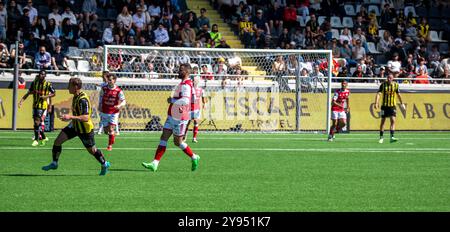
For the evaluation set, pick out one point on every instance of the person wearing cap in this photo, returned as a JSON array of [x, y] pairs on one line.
[[42, 92]]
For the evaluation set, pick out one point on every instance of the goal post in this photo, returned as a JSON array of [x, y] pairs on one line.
[[245, 89]]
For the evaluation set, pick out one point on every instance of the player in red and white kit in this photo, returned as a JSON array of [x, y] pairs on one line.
[[339, 108], [111, 100], [177, 119], [196, 106]]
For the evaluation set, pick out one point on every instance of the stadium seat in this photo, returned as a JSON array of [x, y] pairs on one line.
[[443, 48], [349, 10], [72, 66], [410, 9], [374, 8], [321, 19], [301, 21], [347, 22], [73, 51], [335, 33], [381, 33], [372, 49], [358, 7], [435, 37], [336, 22], [436, 24], [83, 66], [352, 70], [378, 2]]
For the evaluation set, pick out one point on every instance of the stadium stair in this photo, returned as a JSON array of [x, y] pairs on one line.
[[227, 33]]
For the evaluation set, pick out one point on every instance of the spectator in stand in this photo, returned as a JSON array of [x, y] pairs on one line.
[[387, 17], [421, 66], [177, 18], [192, 20], [310, 39], [398, 48], [4, 56], [23, 64], [290, 17], [175, 36], [161, 35], [358, 73], [139, 21], [345, 36], [260, 22], [411, 33], [167, 22], [395, 64], [94, 36], [259, 40], [13, 19], [89, 11], [187, 35], [59, 60], [298, 38], [70, 15], [346, 53], [313, 25], [42, 59], [33, 13], [25, 25], [434, 57], [424, 30], [150, 72], [154, 11], [386, 42], [223, 44], [216, 36], [421, 77], [205, 73], [363, 13], [372, 31], [53, 33], [202, 20], [149, 34], [333, 46], [359, 36], [3, 21], [56, 16], [203, 34], [284, 38], [221, 69], [127, 20], [168, 9], [359, 23], [82, 36], [358, 52], [108, 37], [329, 7]]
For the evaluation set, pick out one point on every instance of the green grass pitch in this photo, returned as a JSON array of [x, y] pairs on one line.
[[238, 172]]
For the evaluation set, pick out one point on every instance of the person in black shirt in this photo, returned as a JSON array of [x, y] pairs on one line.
[[59, 60]]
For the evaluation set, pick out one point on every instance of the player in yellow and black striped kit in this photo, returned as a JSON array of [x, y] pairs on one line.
[[388, 89], [81, 125], [42, 91]]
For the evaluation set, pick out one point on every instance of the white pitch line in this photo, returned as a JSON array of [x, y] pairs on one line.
[[374, 137], [334, 150]]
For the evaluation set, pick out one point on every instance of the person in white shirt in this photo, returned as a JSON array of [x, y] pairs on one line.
[[69, 14], [108, 37], [139, 21], [394, 65], [125, 18], [33, 12], [150, 72], [56, 16], [161, 35]]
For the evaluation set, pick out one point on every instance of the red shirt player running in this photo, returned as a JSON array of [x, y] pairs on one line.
[[177, 119], [339, 108], [110, 101]]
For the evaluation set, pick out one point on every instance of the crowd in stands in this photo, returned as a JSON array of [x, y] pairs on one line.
[[405, 46]]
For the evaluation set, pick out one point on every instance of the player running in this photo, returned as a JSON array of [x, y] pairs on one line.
[[81, 125], [339, 108], [111, 100], [199, 100], [42, 91], [177, 119], [389, 89]]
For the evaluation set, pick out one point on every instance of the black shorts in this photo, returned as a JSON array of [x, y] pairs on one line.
[[38, 113], [387, 112], [87, 139]]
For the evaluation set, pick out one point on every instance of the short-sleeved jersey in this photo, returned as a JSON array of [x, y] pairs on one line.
[[40, 88], [110, 98], [388, 91], [183, 91], [341, 97], [197, 101], [82, 106]]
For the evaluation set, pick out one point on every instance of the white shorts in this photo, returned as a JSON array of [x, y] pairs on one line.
[[178, 127], [195, 114], [109, 119], [338, 115]]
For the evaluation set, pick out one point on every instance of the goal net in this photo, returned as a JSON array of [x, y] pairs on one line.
[[244, 89]]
